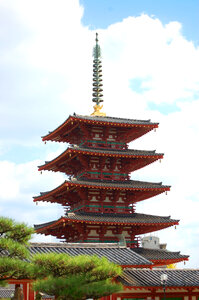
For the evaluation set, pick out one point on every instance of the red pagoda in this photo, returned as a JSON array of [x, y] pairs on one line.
[[99, 197]]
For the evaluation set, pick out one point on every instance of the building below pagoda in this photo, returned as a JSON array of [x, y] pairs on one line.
[[139, 278]]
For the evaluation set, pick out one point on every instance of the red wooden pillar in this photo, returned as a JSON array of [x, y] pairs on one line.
[[190, 294], [114, 297], [28, 292], [153, 294], [31, 292], [25, 290]]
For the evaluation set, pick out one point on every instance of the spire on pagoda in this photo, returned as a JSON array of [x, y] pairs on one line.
[[97, 80]]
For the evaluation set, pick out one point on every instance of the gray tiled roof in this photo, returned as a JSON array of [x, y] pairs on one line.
[[107, 119], [38, 226], [7, 291], [117, 151], [147, 277], [128, 152], [121, 218], [123, 184], [113, 119], [128, 184], [114, 253], [134, 218], [159, 254]]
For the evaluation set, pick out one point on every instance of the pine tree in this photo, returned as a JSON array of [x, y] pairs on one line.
[[75, 277], [14, 239]]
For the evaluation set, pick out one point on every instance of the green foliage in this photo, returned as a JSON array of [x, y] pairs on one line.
[[14, 268], [14, 239], [18, 232], [13, 249], [76, 287], [21, 233], [63, 265], [75, 277], [5, 225]]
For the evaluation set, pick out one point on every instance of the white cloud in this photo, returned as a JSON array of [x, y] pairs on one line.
[[18, 184], [46, 70], [9, 187]]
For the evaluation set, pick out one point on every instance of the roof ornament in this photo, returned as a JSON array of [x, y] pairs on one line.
[[97, 80]]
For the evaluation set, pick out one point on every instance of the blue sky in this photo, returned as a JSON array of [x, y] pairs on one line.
[[101, 14], [150, 71]]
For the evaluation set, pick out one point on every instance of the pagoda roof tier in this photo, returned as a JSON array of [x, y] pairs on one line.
[[75, 158], [139, 190], [160, 256], [143, 223], [71, 130], [113, 252]]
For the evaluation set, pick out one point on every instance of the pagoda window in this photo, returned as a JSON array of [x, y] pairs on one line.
[[94, 163], [108, 233], [126, 234], [120, 200], [105, 168], [93, 199], [116, 168], [92, 232], [107, 199], [93, 166]]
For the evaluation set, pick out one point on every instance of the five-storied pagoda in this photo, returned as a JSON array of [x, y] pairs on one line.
[[99, 195]]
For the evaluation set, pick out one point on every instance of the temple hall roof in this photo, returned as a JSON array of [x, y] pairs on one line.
[[7, 291], [160, 254], [146, 277], [113, 252]]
